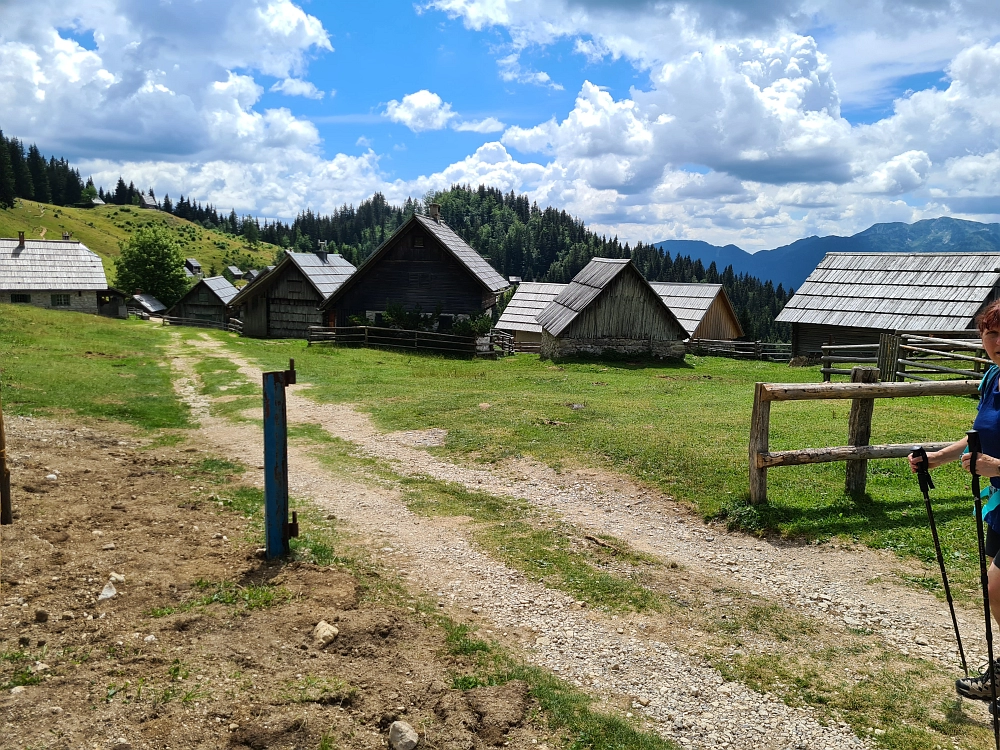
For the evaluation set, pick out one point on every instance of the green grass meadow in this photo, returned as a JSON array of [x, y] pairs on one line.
[[61, 364], [682, 428]]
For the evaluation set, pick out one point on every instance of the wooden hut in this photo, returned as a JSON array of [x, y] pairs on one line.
[[520, 317], [283, 302], [192, 268], [703, 309], [56, 274], [145, 305], [609, 307], [424, 266], [852, 298], [207, 301]]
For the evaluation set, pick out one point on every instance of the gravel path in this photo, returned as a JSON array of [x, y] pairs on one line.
[[684, 699]]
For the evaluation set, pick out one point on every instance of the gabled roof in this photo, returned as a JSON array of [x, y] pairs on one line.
[[896, 291], [192, 263], [690, 302], [234, 271], [326, 275], [57, 265], [469, 258], [528, 301], [473, 262], [220, 286], [149, 303]]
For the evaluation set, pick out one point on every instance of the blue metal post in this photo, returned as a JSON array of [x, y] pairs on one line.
[[277, 529]]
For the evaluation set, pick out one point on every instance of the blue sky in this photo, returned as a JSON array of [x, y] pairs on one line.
[[754, 122]]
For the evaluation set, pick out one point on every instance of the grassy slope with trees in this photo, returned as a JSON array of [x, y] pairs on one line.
[[103, 227]]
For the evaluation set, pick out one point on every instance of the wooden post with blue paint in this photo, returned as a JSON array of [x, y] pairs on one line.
[[277, 528]]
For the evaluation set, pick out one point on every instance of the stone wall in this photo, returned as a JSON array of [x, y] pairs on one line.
[[85, 302], [556, 348]]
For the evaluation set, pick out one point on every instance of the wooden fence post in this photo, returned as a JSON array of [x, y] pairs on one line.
[[859, 430], [888, 357], [760, 425], [6, 509]]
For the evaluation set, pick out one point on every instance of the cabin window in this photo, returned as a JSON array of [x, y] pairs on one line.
[[203, 296], [22, 298], [418, 241], [294, 286]]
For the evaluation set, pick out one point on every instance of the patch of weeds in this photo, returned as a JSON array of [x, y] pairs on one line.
[[465, 682], [512, 532], [247, 501], [197, 693], [327, 742], [21, 677], [311, 547], [313, 433], [323, 690], [177, 671], [460, 641], [161, 611], [219, 469], [250, 597]]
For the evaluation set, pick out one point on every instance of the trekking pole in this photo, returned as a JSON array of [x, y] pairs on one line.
[[927, 484], [975, 447]]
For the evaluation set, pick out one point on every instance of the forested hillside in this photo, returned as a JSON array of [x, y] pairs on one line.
[[513, 233]]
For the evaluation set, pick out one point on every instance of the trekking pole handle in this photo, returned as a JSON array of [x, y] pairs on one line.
[[924, 470], [975, 448]]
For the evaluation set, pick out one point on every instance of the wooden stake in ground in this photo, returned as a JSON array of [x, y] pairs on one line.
[[6, 511], [859, 431]]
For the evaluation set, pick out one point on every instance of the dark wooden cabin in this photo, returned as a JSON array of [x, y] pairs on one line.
[[609, 307], [283, 302], [208, 300], [424, 266], [853, 298]]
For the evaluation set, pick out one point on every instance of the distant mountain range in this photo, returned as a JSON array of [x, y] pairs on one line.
[[791, 264]]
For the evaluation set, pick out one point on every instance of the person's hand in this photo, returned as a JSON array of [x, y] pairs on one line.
[[916, 461], [986, 466]]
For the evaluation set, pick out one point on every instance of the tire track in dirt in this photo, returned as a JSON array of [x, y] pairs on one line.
[[685, 699]]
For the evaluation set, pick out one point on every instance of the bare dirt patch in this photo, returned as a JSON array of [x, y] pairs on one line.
[[203, 644]]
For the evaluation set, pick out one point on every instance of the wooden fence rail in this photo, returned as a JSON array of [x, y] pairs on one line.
[[235, 325], [863, 390], [909, 356], [766, 350], [392, 338]]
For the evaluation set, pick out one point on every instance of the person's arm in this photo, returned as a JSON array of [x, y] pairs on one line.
[[946, 455]]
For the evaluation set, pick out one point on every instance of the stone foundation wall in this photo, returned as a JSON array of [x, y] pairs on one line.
[[555, 348], [85, 302]]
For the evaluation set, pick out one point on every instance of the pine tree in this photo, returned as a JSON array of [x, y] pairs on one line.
[[39, 176], [8, 192]]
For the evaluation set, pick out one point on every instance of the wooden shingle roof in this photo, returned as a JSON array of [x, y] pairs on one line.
[[44, 265], [690, 302], [220, 287], [326, 275], [527, 303], [473, 262], [896, 291]]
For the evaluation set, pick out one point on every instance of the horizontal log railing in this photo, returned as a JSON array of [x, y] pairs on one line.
[[910, 356], [394, 338], [863, 390], [766, 350], [199, 323]]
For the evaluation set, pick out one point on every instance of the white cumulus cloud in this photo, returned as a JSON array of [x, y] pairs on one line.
[[421, 110], [298, 87]]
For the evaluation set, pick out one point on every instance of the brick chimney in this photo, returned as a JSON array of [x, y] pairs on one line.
[[434, 211], [321, 250], [20, 239]]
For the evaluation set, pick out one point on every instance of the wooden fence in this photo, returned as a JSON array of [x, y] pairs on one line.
[[911, 356], [766, 350], [235, 325], [393, 338], [862, 390]]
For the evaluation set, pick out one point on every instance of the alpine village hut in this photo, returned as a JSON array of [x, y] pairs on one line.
[[145, 305], [207, 302], [609, 307], [853, 298], [703, 309], [423, 267], [520, 316], [55, 274], [283, 302]]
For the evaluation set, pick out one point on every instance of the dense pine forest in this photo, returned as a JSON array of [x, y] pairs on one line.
[[513, 233]]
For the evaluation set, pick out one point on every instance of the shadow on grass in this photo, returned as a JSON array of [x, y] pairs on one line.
[[614, 361]]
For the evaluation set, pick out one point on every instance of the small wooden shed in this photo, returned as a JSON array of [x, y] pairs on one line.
[[56, 274], [609, 307], [520, 317], [423, 266], [145, 305], [208, 301], [703, 309], [853, 298], [283, 302]]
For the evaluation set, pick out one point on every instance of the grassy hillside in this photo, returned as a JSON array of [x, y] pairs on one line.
[[102, 228]]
